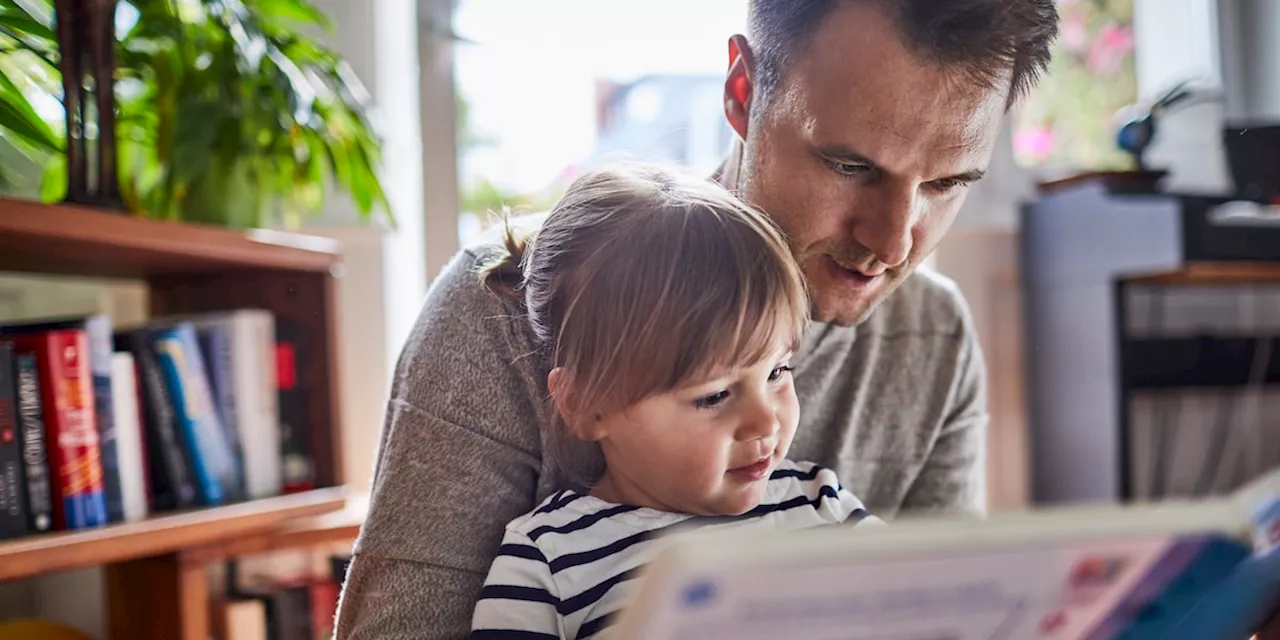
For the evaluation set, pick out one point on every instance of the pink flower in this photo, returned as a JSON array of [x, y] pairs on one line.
[[1074, 35], [1036, 144], [1113, 43]]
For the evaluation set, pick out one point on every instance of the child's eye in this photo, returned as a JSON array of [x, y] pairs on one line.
[[778, 373], [711, 401]]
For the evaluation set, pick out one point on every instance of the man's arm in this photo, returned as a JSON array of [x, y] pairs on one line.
[[459, 458], [954, 477]]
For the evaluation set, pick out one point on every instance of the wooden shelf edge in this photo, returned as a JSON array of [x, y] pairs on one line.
[[162, 534], [1213, 273], [126, 245], [331, 528]]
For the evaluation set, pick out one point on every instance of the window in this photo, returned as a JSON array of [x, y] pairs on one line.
[[551, 88], [1069, 120]]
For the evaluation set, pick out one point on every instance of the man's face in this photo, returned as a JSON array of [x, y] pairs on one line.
[[863, 157]]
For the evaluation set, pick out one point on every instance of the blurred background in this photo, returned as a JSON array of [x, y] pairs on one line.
[[292, 175]]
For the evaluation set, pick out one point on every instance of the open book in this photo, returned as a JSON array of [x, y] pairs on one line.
[[1096, 572]]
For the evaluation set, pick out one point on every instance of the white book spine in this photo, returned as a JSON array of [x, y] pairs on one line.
[[129, 436], [253, 361]]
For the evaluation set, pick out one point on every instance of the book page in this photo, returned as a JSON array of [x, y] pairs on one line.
[[1083, 590]]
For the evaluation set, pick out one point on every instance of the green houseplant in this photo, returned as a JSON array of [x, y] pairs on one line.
[[228, 112]]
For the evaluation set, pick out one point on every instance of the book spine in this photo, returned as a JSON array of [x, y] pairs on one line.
[[35, 453], [291, 609], [13, 509], [98, 330], [129, 437], [254, 338], [215, 349], [71, 429], [324, 608], [295, 428], [172, 485], [178, 353]]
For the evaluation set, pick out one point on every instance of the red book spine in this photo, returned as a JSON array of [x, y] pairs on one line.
[[75, 459]]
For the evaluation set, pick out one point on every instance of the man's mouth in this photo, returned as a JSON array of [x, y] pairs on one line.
[[849, 275]]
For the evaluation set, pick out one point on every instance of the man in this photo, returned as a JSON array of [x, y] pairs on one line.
[[862, 124]]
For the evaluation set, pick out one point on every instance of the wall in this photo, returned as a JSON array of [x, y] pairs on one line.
[[1250, 35]]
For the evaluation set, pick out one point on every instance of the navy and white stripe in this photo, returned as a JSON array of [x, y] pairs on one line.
[[563, 569]]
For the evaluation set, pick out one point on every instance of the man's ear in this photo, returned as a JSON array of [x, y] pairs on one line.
[[739, 85], [560, 386]]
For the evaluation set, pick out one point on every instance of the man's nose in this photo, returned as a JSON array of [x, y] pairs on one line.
[[882, 222]]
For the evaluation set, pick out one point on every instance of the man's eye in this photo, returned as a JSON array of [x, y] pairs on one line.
[[947, 184], [849, 168], [711, 401]]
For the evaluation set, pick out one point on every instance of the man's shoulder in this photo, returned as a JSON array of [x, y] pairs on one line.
[[460, 286], [926, 303]]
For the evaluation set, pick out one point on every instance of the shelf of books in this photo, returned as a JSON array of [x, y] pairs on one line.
[[123, 446], [254, 526]]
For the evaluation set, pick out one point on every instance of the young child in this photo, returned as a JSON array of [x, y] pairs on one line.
[[666, 311]]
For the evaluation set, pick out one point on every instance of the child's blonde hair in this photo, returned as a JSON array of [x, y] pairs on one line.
[[643, 279]]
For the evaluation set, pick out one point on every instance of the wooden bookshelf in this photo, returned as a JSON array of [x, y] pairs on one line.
[[340, 526], [79, 241], [1214, 273], [164, 533], [188, 268]]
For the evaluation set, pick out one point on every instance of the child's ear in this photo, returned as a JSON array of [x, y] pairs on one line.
[[586, 428]]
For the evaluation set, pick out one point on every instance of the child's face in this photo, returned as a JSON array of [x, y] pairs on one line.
[[707, 448]]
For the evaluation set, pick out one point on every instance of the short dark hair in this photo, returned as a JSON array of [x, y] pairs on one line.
[[983, 38]]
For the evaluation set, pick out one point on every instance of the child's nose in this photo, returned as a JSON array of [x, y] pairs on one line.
[[759, 421]]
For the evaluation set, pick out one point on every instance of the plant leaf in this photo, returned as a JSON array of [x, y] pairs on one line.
[[16, 18], [53, 184], [299, 12], [18, 116]]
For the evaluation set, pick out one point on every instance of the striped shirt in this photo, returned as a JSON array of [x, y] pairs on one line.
[[563, 569]]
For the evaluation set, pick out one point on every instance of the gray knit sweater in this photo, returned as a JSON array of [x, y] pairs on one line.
[[896, 406]]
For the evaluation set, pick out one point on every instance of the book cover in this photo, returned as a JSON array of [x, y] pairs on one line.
[[177, 351], [98, 330], [13, 508], [35, 455], [75, 459], [1097, 572], [171, 482]]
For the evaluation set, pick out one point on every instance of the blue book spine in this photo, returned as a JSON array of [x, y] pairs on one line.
[[178, 354], [215, 346], [99, 332]]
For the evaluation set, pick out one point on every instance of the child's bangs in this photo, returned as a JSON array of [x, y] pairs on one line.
[[728, 296], [763, 320]]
